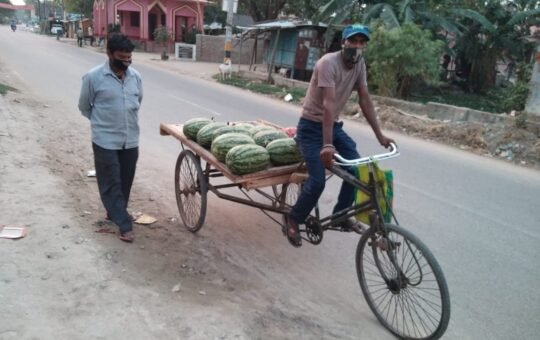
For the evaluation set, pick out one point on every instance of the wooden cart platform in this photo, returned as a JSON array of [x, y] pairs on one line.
[[294, 173]]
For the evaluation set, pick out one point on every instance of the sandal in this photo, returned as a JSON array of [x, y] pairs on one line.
[[128, 236], [291, 230]]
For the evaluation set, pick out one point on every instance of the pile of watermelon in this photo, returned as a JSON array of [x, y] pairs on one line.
[[244, 147]]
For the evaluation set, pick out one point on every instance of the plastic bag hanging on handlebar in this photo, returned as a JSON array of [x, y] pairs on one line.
[[384, 179]]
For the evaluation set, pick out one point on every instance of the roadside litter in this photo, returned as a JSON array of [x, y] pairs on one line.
[[12, 232], [145, 219]]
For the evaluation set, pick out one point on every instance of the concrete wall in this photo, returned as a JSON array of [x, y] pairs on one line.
[[210, 48], [444, 112]]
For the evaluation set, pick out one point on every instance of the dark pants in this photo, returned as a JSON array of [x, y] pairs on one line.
[[115, 171], [310, 141], [79, 42]]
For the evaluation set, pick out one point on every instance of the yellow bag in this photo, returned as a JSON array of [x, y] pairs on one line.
[[385, 186]]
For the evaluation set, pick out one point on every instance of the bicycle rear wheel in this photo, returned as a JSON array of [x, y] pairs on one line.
[[403, 284]]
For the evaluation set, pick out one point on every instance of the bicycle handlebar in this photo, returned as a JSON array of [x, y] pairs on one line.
[[394, 152]]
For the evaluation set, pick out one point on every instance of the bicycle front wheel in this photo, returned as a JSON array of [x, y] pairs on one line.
[[403, 284]]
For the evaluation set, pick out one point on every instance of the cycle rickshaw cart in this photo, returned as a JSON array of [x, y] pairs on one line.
[[400, 278]]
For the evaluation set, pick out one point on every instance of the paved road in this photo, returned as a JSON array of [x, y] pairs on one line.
[[479, 216]]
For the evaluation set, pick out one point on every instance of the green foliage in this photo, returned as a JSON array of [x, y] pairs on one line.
[[85, 7], [524, 72], [304, 9], [261, 10], [298, 93], [396, 58], [191, 36], [510, 98], [213, 12], [5, 88], [113, 28]]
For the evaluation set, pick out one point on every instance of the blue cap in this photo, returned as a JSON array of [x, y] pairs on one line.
[[351, 30]]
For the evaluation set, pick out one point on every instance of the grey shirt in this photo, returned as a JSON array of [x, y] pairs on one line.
[[330, 71], [112, 105]]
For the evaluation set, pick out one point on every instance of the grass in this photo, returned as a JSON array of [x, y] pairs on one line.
[[5, 88], [297, 93], [470, 100], [490, 102]]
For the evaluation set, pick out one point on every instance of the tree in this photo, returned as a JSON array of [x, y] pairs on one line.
[[399, 56], [85, 7], [5, 13], [304, 9], [163, 36], [261, 10], [491, 31]]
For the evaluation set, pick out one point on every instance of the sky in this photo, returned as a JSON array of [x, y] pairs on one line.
[[17, 2]]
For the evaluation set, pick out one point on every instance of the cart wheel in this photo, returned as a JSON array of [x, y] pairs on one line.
[[403, 283], [191, 190], [289, 194]]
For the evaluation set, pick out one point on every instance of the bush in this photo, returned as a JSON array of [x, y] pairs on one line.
[[162, 35], [191, 37], [511, 98], [399, 57]]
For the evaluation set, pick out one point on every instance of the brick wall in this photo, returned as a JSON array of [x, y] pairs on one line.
[[210, 49]]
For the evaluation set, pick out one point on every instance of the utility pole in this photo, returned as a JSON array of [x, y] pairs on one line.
[[228, 30], [533, 104]]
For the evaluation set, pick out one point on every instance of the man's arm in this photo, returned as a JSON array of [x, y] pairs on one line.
[[366, 105], [85, 98], [329, 104]]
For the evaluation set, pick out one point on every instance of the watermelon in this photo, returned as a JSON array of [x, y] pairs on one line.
[[264, 137], [247, 126], [228, 129], [192, 126], [222, 144], [204, 136], [283, 151], [261, 127], [247, 158]]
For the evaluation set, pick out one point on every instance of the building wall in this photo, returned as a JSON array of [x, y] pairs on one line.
[[106, 11], [210, 48]]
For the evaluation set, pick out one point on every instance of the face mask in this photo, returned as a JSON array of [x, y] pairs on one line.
[[121, 64], [353, 55]]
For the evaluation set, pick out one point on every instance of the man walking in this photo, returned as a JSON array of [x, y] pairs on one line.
[[110, 98]]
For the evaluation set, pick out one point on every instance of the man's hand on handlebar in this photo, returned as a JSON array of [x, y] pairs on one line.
[[385, 141], [327, 156]]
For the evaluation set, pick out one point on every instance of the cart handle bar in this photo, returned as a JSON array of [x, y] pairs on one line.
[[394, 152]]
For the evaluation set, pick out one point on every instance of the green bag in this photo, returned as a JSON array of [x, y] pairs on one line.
[[385, 185]]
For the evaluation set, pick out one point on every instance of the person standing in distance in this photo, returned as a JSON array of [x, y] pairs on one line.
[[320, 133], [80, 36], [111, 95]]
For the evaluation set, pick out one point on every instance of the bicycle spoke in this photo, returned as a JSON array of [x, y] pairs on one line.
[[402, 284]]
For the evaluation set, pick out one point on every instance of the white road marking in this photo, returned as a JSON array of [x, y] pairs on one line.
[[195, 105]]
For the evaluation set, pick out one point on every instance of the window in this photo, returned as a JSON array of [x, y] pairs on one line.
[[135, 19]]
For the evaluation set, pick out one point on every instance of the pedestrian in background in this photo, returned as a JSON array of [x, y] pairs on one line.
[[80, 36], [110, 98], [91, 35], [101, 37]]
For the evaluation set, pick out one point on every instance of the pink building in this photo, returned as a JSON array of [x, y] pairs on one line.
[[139, 18]]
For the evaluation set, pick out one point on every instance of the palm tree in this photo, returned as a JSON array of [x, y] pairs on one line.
[[489, 32]]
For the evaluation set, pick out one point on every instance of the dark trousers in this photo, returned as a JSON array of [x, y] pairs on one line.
[[79, 42], [115, 171], [310, 141]]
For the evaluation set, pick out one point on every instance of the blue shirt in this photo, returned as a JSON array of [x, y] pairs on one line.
[[112, 105]]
